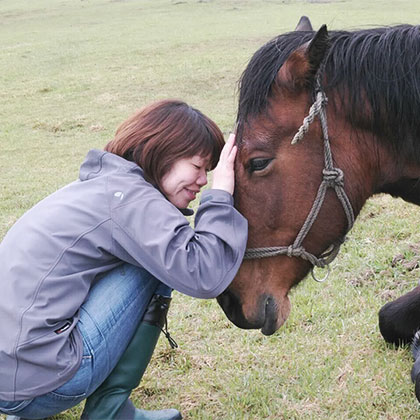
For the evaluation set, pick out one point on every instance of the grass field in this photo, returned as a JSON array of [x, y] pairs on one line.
[[71, 71]]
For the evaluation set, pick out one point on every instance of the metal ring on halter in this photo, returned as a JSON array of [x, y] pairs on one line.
[[327, 267]]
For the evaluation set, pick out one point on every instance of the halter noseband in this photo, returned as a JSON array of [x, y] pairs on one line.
[[332, 178]]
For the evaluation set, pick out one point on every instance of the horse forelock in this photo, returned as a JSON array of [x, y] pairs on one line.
[[374, 71], [256, 81]]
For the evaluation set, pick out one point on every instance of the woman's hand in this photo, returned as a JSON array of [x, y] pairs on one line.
[[223, 173]]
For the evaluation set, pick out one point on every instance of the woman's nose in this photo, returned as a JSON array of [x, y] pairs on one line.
[[202, 179]]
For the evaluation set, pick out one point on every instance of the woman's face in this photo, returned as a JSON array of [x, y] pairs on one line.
[[185, 179]]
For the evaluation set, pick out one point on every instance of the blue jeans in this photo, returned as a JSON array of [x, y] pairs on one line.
[[108, 320]]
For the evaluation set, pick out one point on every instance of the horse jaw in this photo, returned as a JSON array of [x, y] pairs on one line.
[[255, 300]]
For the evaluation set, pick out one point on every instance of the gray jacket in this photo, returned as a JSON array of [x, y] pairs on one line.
[[50, 257]]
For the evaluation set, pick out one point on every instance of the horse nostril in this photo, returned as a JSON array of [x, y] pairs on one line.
[[225, 302], [270, 320], [232, 307]]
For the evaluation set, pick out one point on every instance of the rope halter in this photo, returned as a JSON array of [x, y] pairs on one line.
[[331, 178]]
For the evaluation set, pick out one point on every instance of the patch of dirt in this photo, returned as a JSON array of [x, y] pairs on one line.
[[362, 279], [410, 260]]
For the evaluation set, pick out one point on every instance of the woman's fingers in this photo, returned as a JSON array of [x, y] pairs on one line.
[[227, 148], [232, 154], [223, 175]]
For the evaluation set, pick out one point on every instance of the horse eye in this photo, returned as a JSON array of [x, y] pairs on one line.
[[258, 164]]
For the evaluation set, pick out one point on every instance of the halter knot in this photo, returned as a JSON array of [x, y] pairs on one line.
[[333, 177], [294, 251]]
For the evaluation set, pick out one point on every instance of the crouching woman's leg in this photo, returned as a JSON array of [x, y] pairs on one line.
[[109, 324], [111, 399]]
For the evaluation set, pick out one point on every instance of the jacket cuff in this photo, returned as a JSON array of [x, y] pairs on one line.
[[220, 196]]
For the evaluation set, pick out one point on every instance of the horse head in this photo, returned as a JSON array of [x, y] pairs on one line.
[[277, 182]]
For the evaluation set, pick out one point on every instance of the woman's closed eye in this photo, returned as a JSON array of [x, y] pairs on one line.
[[201, 167]]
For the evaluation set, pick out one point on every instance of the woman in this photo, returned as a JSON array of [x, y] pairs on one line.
[[79, 269]]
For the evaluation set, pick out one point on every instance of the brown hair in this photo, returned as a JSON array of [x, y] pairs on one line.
[[162, 133]]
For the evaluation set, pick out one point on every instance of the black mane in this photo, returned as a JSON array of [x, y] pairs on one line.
[[380, 66]]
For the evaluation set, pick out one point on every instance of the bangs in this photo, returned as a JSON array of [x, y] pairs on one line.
[[202, 137], [205, 146]]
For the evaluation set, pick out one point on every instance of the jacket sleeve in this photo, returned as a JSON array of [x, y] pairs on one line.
[[152, 233]]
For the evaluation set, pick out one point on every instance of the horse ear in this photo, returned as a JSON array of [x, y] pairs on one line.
[[304, 24], [302, 64], [318, 47]]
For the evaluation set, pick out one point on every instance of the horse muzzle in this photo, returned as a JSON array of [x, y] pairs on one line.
[[265, 315]]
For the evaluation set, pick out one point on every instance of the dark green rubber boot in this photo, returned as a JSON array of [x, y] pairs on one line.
[[110, 401]]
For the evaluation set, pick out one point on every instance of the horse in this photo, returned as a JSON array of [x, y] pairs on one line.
[[325, 120]]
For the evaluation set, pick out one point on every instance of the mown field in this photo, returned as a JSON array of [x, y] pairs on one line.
[[71, 71]]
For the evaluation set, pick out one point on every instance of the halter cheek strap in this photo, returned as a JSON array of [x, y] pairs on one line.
[[332, 178]]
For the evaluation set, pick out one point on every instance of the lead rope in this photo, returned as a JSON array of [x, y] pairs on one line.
[[332, 178]]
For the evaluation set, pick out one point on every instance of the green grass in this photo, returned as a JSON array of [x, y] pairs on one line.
[[71, 71]]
